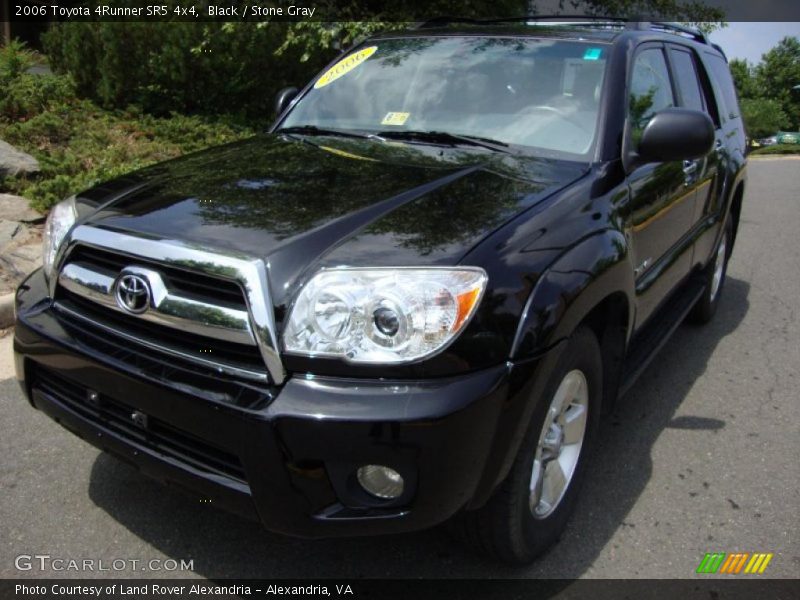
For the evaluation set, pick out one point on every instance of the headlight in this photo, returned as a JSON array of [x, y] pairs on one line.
[[61, 218], [386, 315]]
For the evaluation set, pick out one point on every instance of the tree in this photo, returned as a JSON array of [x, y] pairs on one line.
[[762, 117], [744, 79], [237, 67], [777, 75], [320, 37]]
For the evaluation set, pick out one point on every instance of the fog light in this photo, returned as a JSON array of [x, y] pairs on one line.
[[380, 481]]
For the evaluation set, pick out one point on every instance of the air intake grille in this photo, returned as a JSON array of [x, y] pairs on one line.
[[157, 436]]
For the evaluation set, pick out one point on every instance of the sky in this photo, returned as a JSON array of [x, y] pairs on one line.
[[749, 40]]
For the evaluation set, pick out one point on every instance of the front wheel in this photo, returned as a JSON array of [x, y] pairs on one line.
[[529, 510]]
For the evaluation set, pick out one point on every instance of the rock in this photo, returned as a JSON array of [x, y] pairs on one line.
[[8, 229], [15, 162], [6, 310], [20, 253], [29, 252], [16, 208], [20, 261]]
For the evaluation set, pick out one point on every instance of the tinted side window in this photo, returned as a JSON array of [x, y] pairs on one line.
[[686, 78], [723, 83], [651, 90]]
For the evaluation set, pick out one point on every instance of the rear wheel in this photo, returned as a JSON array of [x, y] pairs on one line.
[[529, 510], [717, 269]]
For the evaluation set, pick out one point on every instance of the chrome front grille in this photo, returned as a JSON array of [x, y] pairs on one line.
[[211, 309], [168, 307], [187, 283]]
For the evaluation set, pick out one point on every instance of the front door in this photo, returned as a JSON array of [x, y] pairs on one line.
[[662, 195]]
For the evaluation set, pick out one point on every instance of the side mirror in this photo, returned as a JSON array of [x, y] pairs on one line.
[[675, 134], [284, 98]]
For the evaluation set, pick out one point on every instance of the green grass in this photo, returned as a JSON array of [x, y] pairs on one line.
[[79, 144], [777, 149]]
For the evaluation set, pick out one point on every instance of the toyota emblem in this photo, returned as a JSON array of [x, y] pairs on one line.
[[133, 293]]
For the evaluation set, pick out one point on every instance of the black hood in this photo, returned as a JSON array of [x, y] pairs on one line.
[[305, 202]]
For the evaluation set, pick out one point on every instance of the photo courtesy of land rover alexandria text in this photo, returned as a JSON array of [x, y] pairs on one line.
[[411, 300]]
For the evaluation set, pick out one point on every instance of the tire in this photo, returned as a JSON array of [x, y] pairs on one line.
[[706, 306], [507, 528]]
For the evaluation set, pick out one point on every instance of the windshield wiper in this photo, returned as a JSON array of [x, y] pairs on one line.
[[434, 137], [443, 137], [314, 130]]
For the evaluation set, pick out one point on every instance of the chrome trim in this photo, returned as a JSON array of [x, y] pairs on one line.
[[167, 309], [249, 272], [166, 349], [87, 283]]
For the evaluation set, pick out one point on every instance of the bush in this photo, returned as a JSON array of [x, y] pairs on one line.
[[777, 149], [213, 68], [762, 116], [15, 59], [79, 144], [25, 95]]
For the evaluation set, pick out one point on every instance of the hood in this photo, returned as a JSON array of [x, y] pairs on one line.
[[305, 202]]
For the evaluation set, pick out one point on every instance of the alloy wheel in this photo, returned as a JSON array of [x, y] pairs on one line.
[[560, 444]]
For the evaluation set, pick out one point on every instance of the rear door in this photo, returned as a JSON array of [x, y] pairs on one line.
[[720, 97], [661, 210], [701, 174]]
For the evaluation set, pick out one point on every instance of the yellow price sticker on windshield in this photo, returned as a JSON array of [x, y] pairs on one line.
[[395, 118], [346, 154], [344, 66]]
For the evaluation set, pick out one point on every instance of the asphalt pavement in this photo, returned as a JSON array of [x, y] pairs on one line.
[[703, 455]]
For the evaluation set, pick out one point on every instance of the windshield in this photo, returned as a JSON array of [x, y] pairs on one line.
[[539, 94]]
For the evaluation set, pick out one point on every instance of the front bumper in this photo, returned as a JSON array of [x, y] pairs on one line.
[[290, 464]]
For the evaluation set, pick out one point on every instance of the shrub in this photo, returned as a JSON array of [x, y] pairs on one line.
[[15, 59], [211, 68], [79, 145], [777, 149], [762, 116], [25, 95]]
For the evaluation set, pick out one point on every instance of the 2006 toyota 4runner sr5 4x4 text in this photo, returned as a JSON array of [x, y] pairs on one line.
[[410, 300]]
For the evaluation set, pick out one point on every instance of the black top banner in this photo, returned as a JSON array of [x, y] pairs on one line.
[[415, 11]]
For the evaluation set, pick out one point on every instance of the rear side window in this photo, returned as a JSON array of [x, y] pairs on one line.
[[651, 90], [723, 83], [687, 81]]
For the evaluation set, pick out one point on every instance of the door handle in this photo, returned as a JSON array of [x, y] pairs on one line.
[[689, 172]]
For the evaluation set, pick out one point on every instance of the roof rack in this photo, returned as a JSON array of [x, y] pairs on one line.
[[440, 21], [581, 20], [574, 19], [669, 27]]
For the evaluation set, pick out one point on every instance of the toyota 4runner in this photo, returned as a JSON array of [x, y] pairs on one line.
[[410, 300]]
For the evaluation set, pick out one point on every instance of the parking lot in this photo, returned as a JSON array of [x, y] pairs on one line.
[[701, 456]]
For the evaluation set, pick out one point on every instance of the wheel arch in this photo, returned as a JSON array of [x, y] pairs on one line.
[[591, 284], [583, 284], [736, 208]]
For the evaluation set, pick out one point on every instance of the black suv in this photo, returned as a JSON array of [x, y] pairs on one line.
[[410, 300]]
